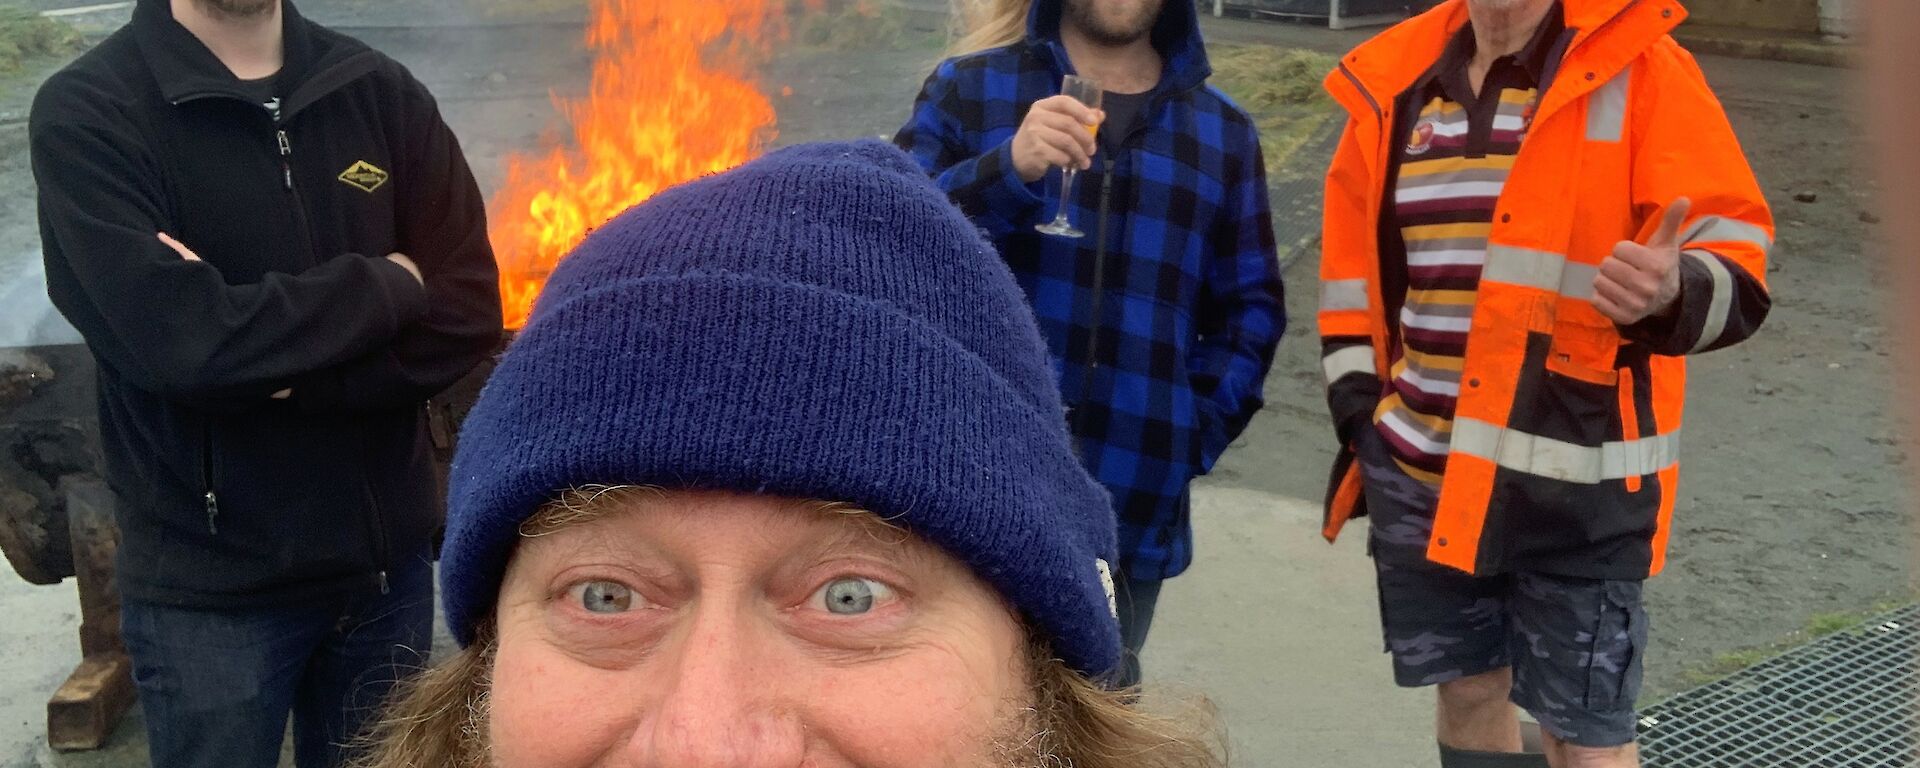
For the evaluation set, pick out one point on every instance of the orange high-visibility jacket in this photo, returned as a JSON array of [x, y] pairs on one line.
[[1564, 455]]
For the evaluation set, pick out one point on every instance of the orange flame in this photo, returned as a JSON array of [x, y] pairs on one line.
[[670, 101]]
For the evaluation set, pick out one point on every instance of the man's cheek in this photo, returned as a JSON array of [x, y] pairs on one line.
[[911, 712], [548, 712]]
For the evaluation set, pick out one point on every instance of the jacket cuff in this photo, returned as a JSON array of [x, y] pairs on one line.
[[1352, 401], [404, 293], [1007, 192], [1669, 333]]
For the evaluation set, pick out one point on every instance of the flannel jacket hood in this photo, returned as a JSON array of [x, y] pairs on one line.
[[1163, 321]]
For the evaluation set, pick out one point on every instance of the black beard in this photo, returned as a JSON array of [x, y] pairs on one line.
[[237, 9], [1083, 16]]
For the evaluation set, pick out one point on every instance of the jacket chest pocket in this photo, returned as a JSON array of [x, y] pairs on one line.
[[1584, 347]]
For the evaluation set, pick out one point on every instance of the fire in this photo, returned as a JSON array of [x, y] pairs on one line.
[[670, 101]]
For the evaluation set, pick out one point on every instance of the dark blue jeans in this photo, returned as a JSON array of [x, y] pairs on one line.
[[1135, 599], [217, 685]]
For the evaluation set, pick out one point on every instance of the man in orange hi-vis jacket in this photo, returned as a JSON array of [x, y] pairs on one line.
[[1537, 210]]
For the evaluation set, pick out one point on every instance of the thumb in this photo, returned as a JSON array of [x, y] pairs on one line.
[[1669, 232]]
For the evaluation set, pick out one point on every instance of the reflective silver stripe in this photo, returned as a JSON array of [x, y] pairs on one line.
[[1607, 108], [1720, 229], [1722, 304], [1539, 269], [1343, 294], [1558, 460], [1347, 361]]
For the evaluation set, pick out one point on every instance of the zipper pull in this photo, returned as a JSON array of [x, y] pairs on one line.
[[383, 583], [213, 512], [286, 151]]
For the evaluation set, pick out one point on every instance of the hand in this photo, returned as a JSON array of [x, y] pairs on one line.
[[185, 252], [1640, 281], [1058, 133], [407, 264], [283, 394]]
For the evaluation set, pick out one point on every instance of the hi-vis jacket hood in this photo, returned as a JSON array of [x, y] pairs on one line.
[[1564, 454]]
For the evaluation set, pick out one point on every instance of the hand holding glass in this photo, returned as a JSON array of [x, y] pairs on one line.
[[1086, 92]]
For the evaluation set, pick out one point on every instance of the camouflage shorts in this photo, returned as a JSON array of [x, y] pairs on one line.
[[1574, 645]]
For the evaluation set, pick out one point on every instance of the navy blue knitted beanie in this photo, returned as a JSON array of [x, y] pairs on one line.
[[822, 324]]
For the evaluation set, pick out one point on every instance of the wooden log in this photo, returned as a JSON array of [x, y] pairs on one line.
[[21, 373], [25, 539], [86, 709], [96, 538], [34, 455]]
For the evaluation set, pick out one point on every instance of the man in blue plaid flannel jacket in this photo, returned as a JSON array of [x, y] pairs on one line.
[[1163, 320]]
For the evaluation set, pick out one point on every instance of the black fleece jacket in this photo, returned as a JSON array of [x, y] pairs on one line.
[[227, 495]]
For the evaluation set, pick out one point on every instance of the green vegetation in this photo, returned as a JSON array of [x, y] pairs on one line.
[[1727, 664], [1281, 88], [859, 25], [25, 35], [1818, 626], [515, 10]]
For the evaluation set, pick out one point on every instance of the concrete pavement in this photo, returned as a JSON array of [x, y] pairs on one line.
[[1282, 632]]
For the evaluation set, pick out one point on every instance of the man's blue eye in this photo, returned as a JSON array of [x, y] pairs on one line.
[[852, 596], [603, 596]]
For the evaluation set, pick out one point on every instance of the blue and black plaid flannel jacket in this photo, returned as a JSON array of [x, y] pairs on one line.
[[1162, 323]]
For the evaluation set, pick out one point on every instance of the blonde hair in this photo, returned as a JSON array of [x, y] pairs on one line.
[[439, 719], [984, 24]]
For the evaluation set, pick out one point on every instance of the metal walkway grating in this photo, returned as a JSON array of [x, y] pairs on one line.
[[1296, 185], [1844, 701]]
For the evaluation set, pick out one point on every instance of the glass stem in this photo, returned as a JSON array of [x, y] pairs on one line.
[[1066, 192]]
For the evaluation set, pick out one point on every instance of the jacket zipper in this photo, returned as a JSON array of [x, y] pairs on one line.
[[286, 157], [380, 546], [1100, 254], [206, 478], [1099, 294], [285, 145]]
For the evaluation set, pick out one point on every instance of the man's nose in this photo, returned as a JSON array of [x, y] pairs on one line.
[[722, 706]]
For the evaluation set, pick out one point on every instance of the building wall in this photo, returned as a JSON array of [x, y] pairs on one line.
[[1781, 15]]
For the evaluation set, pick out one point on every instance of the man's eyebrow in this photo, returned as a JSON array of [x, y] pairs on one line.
[[863, 532]]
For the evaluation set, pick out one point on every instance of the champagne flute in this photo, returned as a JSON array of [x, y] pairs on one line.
[[1086, 92]]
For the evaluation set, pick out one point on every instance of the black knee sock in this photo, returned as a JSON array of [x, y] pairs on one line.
[[1467, 758]]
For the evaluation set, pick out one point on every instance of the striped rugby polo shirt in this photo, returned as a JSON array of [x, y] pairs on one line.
[[1451, 171]]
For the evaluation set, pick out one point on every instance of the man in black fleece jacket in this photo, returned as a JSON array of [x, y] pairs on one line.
[[275, 250]]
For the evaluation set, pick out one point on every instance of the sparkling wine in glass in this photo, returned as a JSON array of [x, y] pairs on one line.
[[1086, 92]]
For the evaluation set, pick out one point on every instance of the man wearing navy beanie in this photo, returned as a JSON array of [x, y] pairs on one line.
[[776, 475]]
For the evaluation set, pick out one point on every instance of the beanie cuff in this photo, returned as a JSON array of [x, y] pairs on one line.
[[758, 386]]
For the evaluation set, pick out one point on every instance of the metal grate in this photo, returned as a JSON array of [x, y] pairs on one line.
[[1845, 701], [1295, 186]]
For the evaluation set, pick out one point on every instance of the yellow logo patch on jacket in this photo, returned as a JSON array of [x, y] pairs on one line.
[[364, 176]]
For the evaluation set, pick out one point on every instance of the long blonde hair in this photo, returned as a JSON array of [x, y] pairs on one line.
[[984, 24]]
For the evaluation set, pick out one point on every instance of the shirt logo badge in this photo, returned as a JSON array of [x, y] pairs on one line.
[[1422, 139], [364, 176]]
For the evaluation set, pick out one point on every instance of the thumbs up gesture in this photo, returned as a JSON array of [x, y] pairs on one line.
[[1640, 281]]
